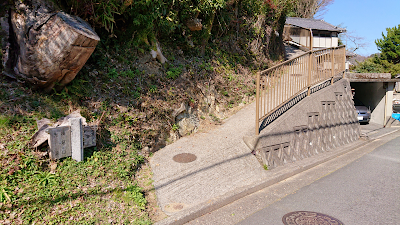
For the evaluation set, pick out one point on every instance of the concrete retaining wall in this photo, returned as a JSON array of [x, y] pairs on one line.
[[320, 122]]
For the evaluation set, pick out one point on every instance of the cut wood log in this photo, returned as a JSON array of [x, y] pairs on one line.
[[51, 46]]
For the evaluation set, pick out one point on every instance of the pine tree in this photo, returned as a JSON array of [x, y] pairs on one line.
[[389, 45]]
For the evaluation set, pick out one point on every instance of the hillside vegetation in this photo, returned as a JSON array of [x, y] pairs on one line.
[[134, 99]]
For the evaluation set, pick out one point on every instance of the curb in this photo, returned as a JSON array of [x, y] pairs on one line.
[[276, 175]]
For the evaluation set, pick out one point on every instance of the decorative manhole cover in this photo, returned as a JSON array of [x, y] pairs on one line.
[[309, 218], [175, 207], [178, 207], [184, 158]]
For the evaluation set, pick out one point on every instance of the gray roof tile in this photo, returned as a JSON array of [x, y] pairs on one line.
[[313, 24]]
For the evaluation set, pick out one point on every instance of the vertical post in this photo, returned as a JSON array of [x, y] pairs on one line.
[[333, 64], [310, 63], [257, 103], [309, 72], [386, 102], [311, 40], [344, 60], [76, 139]]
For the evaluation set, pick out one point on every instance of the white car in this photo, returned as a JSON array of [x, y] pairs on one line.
[[364, 113]]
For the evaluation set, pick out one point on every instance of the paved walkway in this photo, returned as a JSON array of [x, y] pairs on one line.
[[224, 164], [374, 130], [292, 52], [224, 170]]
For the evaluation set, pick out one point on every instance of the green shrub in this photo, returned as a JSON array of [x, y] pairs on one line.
[[5, 194], [45, 178], [130, 73], [141, 21], [134, 193], [175, 72], [112, 73], [369, 66]]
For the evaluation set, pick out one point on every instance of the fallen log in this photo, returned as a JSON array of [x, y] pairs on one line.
[[50, 47]]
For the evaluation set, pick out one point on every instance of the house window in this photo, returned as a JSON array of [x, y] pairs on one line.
[[324, 35], [295, 31]]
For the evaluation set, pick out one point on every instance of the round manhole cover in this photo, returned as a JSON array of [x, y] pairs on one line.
[[175, 207], [309, 218], [178, 207], [184, 158]]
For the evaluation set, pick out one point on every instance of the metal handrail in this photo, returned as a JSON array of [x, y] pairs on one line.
[[279, 84]]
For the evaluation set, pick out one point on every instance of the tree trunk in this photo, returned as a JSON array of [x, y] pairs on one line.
[[50, 47]]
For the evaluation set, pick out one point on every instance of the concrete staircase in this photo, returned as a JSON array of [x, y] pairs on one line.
[[320, 122], [292, 51]]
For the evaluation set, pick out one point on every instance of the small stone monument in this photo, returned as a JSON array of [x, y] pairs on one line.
[[65, 141], [60, 142]]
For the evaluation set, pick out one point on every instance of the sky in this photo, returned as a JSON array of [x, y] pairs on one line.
[[364, 18]]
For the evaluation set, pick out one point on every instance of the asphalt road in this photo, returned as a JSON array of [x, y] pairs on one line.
[[366, 191], [359, 187]]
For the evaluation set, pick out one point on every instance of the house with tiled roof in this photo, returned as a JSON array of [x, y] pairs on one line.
[[311, 33]]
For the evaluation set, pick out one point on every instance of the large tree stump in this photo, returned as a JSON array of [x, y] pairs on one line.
[[50, 47]]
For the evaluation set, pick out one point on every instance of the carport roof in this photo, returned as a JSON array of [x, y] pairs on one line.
[[370, 77]]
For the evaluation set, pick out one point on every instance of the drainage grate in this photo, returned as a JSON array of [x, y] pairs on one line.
[[309, 218], [184, 158]]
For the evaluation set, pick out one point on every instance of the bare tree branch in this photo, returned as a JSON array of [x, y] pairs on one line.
[[352, 41], [310, 8]]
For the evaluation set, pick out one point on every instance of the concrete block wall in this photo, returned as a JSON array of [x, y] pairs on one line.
[[320, 122]]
